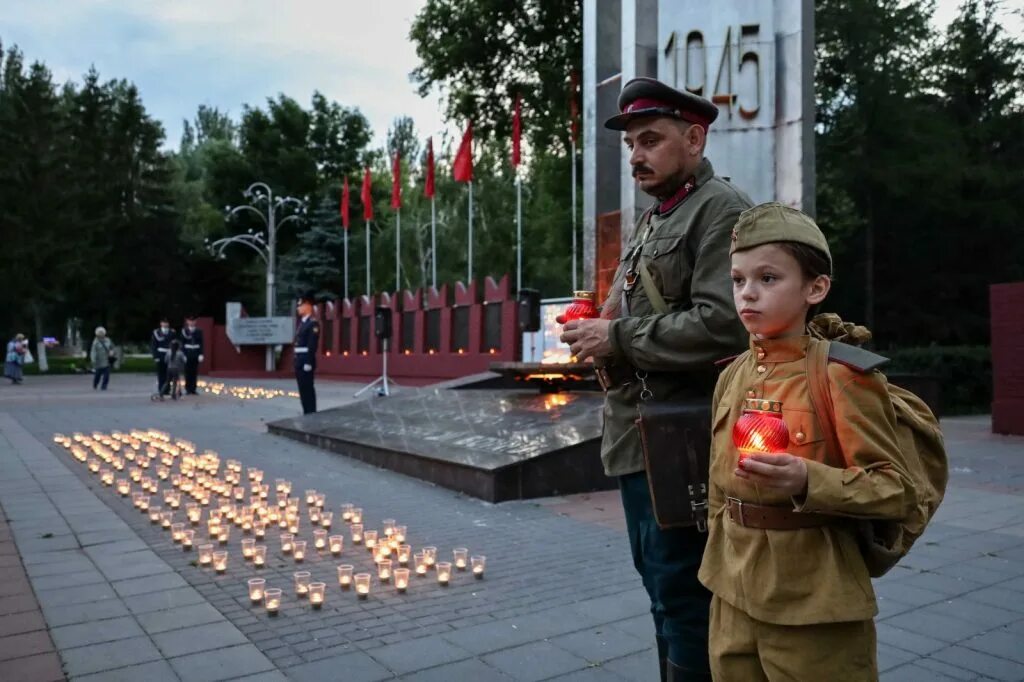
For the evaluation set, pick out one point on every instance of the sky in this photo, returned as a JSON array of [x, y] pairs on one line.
[[228, 53]]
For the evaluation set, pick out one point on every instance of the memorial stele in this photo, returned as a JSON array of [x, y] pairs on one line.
[[753, 58]]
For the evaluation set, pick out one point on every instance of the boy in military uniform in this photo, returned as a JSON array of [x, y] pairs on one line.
[[307, 340], [664, 334], [792, 594]]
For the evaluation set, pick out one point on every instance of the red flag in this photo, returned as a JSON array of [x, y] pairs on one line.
[[367, 196], [517, 131], [396, 182], [574, 107], [429, 189], [344, 204], [462, 168]]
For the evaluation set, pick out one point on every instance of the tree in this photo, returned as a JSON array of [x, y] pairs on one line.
[[480, 53], [314, 263]]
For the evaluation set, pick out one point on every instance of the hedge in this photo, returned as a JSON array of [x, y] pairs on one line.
[[964, 372], [63, 364]]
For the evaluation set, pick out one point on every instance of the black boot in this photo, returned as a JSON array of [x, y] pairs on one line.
[[677, 674], [663, 668]]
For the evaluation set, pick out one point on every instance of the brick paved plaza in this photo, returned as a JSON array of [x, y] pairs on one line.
[[91, 588]]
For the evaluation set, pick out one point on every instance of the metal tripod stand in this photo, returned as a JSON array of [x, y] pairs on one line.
[[383, 380]]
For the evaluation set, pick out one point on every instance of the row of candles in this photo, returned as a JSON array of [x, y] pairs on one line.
[[198, 478], [244, 392]]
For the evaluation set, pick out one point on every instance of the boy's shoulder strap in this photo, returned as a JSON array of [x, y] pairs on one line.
[[854, 357]]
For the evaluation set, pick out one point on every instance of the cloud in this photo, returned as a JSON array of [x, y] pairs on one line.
[[228, 53]]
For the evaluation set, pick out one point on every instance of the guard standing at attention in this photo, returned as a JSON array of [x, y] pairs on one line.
[[159, 346], [192, 344], [307, 340], [668, 317]]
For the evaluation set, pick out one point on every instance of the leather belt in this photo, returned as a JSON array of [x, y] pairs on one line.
[[301, 349], [192, 346], [766, 517], [162, 349]]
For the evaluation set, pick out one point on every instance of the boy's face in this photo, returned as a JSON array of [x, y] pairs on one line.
[[771, 295]]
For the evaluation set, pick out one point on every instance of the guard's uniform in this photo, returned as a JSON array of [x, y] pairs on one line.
[[192, 345], [307, 340], [684, 242], [159, 346]]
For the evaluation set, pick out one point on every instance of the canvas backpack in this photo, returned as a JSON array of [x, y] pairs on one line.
[[884, 542]]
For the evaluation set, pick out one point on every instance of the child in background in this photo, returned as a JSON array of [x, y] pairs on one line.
[[175, 368], [792, 595]]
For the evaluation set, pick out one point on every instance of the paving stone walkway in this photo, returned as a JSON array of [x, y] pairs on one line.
[[560, 600]]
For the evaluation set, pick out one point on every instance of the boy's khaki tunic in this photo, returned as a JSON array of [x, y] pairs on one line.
[[810, 575], [678, 350]]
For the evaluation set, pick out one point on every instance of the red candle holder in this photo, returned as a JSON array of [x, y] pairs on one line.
[[583, 307], [760, 429]]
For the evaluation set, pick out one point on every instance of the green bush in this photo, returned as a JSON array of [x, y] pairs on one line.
[[63, 364], [964, 372]]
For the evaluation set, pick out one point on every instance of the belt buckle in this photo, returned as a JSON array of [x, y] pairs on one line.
[[738, 503], [629, 280]]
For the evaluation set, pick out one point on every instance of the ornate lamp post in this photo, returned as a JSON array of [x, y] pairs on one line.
[[274, 212]]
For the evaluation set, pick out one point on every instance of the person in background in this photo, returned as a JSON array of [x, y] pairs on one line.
[[102, 357], [175, 363], [159, 344], [15, 358], [192, 343], [307, 340]]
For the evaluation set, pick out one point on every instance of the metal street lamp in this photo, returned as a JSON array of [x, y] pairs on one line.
[[274, 212]]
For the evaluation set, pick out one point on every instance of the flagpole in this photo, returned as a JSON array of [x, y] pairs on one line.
[[433, 243], [398, 250], [470, 264], [573, 200], [368, 291], [519, 232], [345, 288]]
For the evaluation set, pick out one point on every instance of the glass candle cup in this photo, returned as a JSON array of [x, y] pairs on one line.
[[336, 544], [345, 576], [384, 570], [272, 599], [256, 589], [346, 512], [401, 579], [326, 518], [357, 533], [357, 515], [220, 561], [287, 542], [460, 556], [389, 527], [370, 539], [430, 556], [301, 583], [224, 534], [187, 538], [317, 592], [177, 531], [479, 564], [420, 563], [259, 529], [259, 556], [320, 539], [299, 551], [166, 519], [404, 552], [247, 548], [205, 555], [362, 582], [444, 572], [400, 532]]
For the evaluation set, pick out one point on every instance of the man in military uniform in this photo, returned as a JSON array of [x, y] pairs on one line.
[[159, 345], [668, 317], [192, 344], [307, 340]]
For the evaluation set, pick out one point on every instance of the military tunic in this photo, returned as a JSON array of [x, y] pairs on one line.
[[807, 576], [687, 252], [307, 341], [192, 344], [159, 346]]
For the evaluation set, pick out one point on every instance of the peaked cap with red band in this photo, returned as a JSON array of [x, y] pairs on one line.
[[649, 97]]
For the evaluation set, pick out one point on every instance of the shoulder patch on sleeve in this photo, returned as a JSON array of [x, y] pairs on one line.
[[855, 358]]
